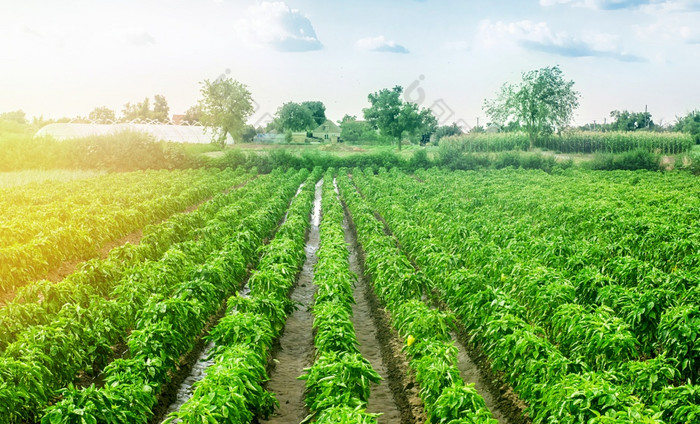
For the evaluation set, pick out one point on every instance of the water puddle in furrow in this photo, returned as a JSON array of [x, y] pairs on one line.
[[469, 372], [198, 372], [296, 344], [381, 400]]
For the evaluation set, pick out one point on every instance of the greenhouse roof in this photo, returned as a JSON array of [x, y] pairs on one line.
[[176, 133]]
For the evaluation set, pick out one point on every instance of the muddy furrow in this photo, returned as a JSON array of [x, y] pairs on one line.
[[381, 398], [296, 347], [502, 409]]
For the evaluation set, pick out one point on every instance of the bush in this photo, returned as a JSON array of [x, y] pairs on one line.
[[638, 159]]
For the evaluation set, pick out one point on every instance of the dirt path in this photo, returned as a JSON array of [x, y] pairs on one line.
[[381, 399], [470, 373], [296, 343]]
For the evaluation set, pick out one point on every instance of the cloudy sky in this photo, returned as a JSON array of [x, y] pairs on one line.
[[64, 58]]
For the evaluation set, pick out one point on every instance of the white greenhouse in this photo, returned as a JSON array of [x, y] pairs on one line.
[[177, 133]]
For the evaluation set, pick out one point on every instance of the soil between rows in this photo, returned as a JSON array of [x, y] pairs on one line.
[[295, 348]]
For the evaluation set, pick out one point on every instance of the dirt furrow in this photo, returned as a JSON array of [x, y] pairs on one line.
[[295, 351]]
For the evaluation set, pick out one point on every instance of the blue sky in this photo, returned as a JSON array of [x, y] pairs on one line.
[[64, 58]]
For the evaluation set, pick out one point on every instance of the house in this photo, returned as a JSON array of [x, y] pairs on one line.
[[328, 131]]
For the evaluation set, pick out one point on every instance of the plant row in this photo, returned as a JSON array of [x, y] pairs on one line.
[[81, 339], [578, 142], [232, 390], [427, 332], [338, 383], [46, 224], [40, 302], [509, 330]]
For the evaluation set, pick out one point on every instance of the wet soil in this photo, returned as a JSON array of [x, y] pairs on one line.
[[394, 368], [390, 403], [295, 350]]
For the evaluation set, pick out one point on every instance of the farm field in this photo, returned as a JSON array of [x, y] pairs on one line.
[[358, 296], [45, 223]]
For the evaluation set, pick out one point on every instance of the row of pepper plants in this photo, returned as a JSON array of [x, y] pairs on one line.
[[157, 309], [42, 225], [39, 302], [338, 382], [534, 322], [427, 331], [232, 390], [634, 273]]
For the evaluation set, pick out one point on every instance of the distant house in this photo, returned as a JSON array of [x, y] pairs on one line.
[[328, 131], [177, 119]]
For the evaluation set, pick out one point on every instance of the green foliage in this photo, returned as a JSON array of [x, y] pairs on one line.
[[395, 118], [294, 117], [630, 121], [543, 102], [639, 159], [225, 106], [690, 124]]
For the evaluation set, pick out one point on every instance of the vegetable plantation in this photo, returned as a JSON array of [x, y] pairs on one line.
[[575, 293]]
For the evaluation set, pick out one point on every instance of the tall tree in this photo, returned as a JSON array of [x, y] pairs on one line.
[[543, 102], [294, 117], [161, 110], [193, 114], [226, 105], [318, 111], [393, 117]]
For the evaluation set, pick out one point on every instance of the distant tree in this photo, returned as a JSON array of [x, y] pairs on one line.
[[318, 111], [138, 111], [294, 117], [630, 121], [248, 133], [690, 124], [16, 116], [161, 110], [102, 115], [447, 131], [352, 131], [393, 117], [348, 118], [193, 115], [543, 102], [477, 130], [226, 105]]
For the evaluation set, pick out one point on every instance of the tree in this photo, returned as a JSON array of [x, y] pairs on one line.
[[17, 116], [393, 117], [102, 115], [249, 132], [447, 131], [690, 124], [226, 105], [294, 117], [630, 121], [193, 115], [542, 103], [318, 111], [161, 110]]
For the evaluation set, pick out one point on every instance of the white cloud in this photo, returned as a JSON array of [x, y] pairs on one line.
[[537, 36], [279, 26], [380, 44], [646, 5]]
